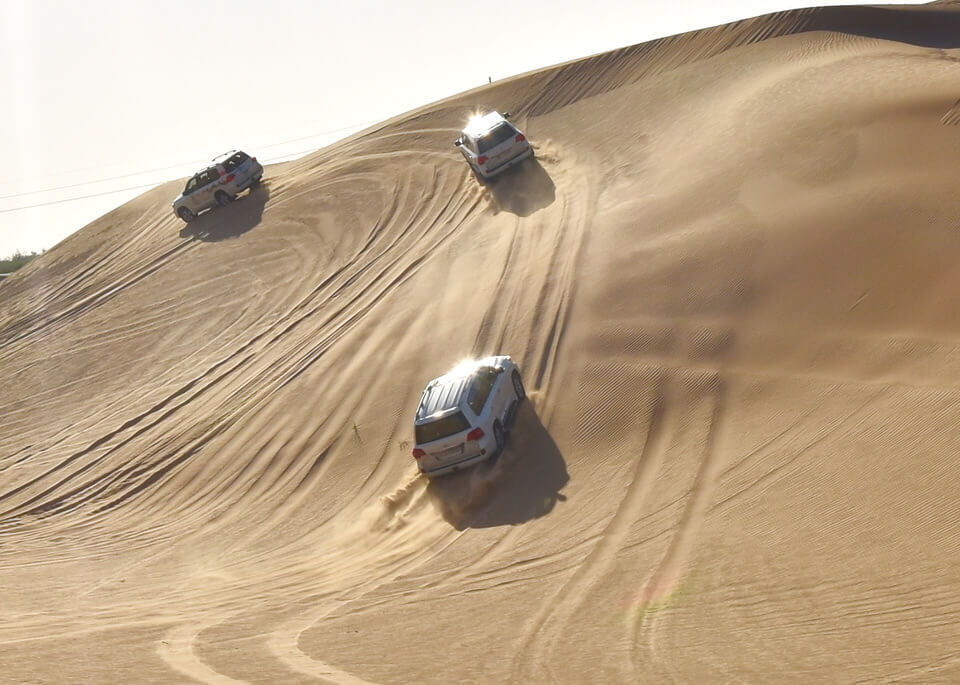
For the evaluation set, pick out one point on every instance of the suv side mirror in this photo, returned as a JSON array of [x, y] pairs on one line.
[[506, 115], [458, 142]]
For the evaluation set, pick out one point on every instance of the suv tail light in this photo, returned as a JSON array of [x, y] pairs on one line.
[[482, 160], [254, 159], [475, 434], [417, 453], [520, 138]]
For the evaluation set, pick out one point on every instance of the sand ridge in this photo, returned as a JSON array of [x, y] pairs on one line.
[[729, 279]]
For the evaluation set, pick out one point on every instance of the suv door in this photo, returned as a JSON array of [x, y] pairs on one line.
[[478, 397], [190, 193], [468, 148], [208, 186], [503, 396]]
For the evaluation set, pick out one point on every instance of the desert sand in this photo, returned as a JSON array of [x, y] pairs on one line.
[[730, 278]]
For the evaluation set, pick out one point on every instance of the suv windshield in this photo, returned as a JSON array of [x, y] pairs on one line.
[[500, 134], [441, 428], [480, 389]]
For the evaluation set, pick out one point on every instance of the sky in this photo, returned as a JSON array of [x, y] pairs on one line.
[[104, 99]]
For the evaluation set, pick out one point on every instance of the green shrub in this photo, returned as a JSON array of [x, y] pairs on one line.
[[15, 261]]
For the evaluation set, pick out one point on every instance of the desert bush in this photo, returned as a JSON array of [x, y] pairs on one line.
[[10, 264]]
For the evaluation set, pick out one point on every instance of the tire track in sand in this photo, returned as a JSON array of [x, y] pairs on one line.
[[283, 644], [554, 236], [16, 334], [176, 650], [558, 231], [385, 541], [408, 508], [671, 567], [550, 624], [525, 242], [360, 298]]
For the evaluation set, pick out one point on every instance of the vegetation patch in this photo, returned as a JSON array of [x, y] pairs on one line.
[[18, 259]]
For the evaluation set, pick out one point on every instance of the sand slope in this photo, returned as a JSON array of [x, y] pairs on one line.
[[730, 278]]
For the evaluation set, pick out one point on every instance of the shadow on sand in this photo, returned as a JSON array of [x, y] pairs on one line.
[[231, 221], [522, 190], [926, 26], [524, 483]]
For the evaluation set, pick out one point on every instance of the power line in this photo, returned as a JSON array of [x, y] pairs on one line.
[[157, 170], [101, 180], [79, 197], [148, 185], [321, 133]]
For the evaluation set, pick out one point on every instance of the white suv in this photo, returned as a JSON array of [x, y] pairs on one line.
[[464, 415], [491, 144], [219, 184]]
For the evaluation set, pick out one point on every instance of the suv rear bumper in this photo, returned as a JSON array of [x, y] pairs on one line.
[[455, 466], [509, 163]]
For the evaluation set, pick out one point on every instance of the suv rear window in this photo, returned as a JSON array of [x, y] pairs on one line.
[[501, 133], [235, 161], [441, 428]]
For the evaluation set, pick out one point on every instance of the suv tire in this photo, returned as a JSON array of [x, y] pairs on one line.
[[185, 214], [222, 198], [499, 436], [477, 175], [518, 387]]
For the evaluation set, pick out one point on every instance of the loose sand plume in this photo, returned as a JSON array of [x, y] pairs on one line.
[[730, 280]]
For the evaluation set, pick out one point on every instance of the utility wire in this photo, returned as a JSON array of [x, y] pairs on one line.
[[100, 180], [80, 197], [145, 185], [157, 170]]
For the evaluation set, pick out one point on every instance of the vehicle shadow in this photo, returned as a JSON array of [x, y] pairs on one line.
[[231, 221], [524, 483], [524, 189]]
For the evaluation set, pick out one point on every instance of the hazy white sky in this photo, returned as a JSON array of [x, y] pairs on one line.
[[104, 98]]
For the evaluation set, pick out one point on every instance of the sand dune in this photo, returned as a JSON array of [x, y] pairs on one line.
[[730, 279]]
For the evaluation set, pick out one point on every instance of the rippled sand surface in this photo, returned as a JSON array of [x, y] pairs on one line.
[[730, 278]]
